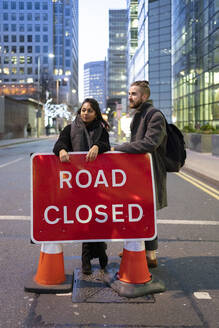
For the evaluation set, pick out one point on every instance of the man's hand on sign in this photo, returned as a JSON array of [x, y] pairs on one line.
[[112, 148], [92, 154], [63, 155]]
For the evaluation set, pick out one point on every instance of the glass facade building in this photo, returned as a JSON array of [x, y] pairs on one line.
[[39, 48], [152, 59], [196, 62], [95, 82], [117, 55], [132, 6]]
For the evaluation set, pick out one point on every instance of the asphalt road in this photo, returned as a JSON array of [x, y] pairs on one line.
[[188, 259]]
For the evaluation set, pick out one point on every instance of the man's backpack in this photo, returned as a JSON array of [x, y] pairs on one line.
[[175, 150]]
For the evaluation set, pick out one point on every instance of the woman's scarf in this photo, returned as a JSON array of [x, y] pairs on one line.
[[84, 137]]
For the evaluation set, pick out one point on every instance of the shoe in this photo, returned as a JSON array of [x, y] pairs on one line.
[[152, 263]]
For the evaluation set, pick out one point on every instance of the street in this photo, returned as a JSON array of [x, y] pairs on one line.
[[188, 231]]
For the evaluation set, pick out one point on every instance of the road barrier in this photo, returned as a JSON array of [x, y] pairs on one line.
[[134, 278], [50, 276]]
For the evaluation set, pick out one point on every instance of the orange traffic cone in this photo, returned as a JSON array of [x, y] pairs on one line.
[[134, 278], [133, 267], [50, 277], [51, 265]]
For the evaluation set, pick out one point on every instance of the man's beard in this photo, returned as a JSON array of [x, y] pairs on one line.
[[135, 104]]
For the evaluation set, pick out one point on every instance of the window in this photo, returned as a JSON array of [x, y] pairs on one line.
[[5, 16], [45, 5], [45, 17], [21, 17], [45, 28], [6, 49], [29, 17], [13, 38], [37, 28], [21, 5], [5, 38], [37, 5], [37, 38], [21, 38], [45, 60], [5, 27], [14, 70], [29, 28], [13, 27], [29, 49], [29, 70], [29, 38], [67, 63], [21, 49], [5, 4], [45, 38], [29, 60], [13, 49], [37, 17], [29, 5], [45, 49], [37, 49], [21, 28], [6, 60], [13, 4]]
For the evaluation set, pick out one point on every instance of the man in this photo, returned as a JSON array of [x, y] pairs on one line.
[[148, 137]]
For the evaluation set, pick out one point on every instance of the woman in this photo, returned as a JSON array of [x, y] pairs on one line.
[[89, 133]]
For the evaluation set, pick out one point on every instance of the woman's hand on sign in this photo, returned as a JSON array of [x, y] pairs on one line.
[[63, 155], [92, 154]]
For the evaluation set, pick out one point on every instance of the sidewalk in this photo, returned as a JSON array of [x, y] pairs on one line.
[[10, 142], [204, 164]]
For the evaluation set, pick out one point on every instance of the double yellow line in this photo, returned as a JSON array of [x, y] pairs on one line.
[[199, 184]]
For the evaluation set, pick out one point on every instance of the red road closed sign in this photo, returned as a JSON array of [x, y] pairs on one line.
[[111, 198]]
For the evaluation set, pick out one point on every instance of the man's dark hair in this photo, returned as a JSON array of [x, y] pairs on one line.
[[144, 85]]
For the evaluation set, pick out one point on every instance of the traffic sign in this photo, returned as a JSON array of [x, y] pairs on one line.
[[111, 198]]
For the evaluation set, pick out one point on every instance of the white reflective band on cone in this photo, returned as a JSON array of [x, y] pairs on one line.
[[51, 248], [134, 246]]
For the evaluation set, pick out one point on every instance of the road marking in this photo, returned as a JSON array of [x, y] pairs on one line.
[[202, 295], [13, 217], [159, 221], [209, 190], [12, 162], [188, 222], [200, 182]]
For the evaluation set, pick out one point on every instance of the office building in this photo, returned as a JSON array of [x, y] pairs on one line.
[[117, 57], [196, 62], [39, 49], [95, 82], [152, 58]]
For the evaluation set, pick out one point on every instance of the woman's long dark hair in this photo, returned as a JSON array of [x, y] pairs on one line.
[[95, 105]]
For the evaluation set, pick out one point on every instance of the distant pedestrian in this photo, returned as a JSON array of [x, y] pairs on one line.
[[148, 137], [29, 129], [88, 132]]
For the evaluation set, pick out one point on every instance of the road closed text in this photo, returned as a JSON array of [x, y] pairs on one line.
[[100, 213]]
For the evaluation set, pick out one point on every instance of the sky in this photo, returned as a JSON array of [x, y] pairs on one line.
[[93, 32]]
